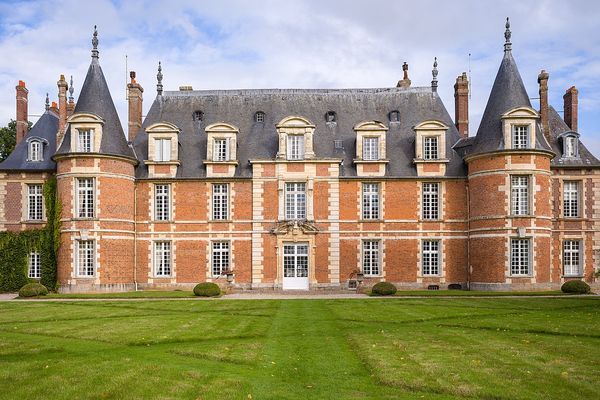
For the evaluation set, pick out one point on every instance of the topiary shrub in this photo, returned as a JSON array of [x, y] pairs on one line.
[[383, 289], [576, 286], [33, 290], [207, 289]]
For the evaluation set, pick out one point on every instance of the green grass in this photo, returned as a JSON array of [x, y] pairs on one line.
[[473, 293], [434, 348]]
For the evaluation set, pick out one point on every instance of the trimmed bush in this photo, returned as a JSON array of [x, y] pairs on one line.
[[383, 289], [207, 289], [577, 286], [33, 290]]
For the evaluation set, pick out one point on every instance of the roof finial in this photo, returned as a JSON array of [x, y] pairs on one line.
[[71, 90], [507, 35], [47, 102], [405, 70], [434, 73], [159, 76], [95, 43]]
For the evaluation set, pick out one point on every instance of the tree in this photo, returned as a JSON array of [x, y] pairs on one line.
[[8, 138]]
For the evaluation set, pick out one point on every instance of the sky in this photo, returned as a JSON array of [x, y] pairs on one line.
[[302, 44]]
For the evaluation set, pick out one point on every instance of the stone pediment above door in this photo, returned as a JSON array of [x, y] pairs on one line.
[[295, 228]]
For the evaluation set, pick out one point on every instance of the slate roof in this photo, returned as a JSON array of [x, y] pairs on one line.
[[508, 92], [258, 140], [558, 127], [95, 98], [45, 128]]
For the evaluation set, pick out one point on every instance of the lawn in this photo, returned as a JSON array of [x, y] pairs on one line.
[[435, 348]]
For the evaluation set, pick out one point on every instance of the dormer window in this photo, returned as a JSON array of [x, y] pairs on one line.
[[570, 146], [198, 115], [85, 140], [295, 147], [35, 151], [520, 136], [162, 149], [259, 117], [221, 150], [370, 148], [430, 148], [330, 116], [394, 116]]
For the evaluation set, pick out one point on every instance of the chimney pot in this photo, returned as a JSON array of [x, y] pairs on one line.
[[543, 82], [571, 103], [461, 105], [22, 113]]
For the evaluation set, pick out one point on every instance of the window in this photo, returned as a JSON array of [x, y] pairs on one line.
[[570, 147], [572, 258], [85, 198], [571, 199], [35, 151], [370, 258], [162, 202], [85, 139], [519, 257], [220, 150], [198, 115], [519, 194], [220, 201], [394, 116], [430, 148], [85, 258], [259, 116], [520, 137], [371, 148], [295, 147], [34, 202], [370, 201], [295, 200], [162, 258], [338, 144], [330, 116], [162, 149], [430, 258], [220, 258], [431, 199], [35, 265]]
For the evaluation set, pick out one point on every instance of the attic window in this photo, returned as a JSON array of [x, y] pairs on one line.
[[259, 116], [330, 116], [570, 146], [198, 115], [35, 151], [394, 116], [338, 144]]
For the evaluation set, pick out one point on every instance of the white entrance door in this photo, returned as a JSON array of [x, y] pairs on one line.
[[295, 266]]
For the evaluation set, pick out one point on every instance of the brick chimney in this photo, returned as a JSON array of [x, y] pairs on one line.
[[62, 107], [570, 107], [404, 82], [461, 105], [134, 99], [22, 123], [543, 82]]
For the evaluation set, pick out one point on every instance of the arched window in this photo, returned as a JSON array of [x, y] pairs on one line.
[[330, 116], [198, 116], [35, 151], [259, 116]]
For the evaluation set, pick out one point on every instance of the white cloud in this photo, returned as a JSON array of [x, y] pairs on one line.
[[256, 44]]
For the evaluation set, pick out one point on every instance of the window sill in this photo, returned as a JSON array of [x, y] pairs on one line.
[[431, 161], [521, 276], [33, 221], [430, 276], [163, 221], [362, 161], [367, 220], [573, 276], [227, 162], [423, 220], [573, 219], [521, 216], [171, 162], [220, 220], [84, 219]]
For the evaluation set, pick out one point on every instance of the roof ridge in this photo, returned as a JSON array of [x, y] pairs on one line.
[[185, 93]]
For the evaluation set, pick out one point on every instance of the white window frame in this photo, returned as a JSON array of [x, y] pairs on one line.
[[295, 200], [86, 258], [162, 149], [221, 149], [571, 196], [85, 197], [431, 147], [163, 260], [572, 257], [35, 265], [430, 257], [371, 257], [85, 140], [220, 257], [35, 202], [520, 195], [520, 257], [520, 136], [371, 201], [220, 201], [295, 147], [162, 202], [370, 148], [430, 196], [36, 151], [571, 145]]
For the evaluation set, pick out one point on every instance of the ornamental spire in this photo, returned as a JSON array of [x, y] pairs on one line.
[[47, 102], [434, 73], [507, 35], [95, 43], [71, 90], [159, 77]]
